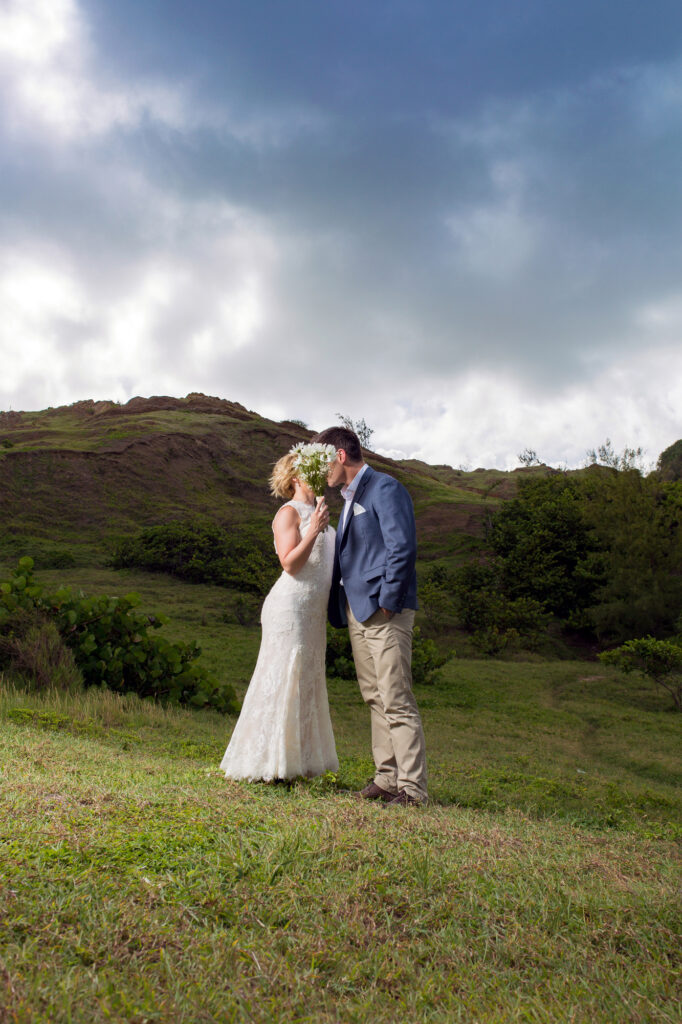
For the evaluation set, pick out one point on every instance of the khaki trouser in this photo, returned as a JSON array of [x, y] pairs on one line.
[[382, 649]]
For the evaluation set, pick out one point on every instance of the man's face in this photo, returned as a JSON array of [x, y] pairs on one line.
[[336, 475]]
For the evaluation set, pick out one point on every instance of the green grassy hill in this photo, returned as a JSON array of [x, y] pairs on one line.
[[75, 479]]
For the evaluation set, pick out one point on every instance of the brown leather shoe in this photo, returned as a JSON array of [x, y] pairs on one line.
[[374, 792], [403, 799]]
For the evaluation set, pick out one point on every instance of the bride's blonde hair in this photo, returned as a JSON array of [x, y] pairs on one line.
[[282, 477]]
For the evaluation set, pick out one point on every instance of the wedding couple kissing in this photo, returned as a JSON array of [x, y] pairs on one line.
[[361, 576]]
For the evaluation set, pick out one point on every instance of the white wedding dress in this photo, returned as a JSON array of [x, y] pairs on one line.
[[284, 730]]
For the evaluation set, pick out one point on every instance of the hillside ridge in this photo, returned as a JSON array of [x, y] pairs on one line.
[[85, 475]]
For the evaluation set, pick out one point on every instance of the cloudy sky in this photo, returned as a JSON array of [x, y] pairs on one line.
[[458, 219]]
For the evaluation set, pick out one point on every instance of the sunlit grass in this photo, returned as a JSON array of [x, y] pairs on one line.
[[541, 884], [137, 884]]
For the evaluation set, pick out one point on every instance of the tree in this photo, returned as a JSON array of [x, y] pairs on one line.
[[669, 464], [528, 457], [544, 546], [635, 524], [658, 660], [601, 551], [606, 455], [359, 427]]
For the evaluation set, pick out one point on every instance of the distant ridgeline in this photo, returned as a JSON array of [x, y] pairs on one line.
[[532, 558], [77, 480]]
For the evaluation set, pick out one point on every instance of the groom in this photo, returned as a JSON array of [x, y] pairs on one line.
[[374, 593]]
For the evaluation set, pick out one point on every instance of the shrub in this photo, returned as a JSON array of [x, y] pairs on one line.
[[436, 598], [427, 660], [58, 558], [496, 621], [658, 660], [32, 648], [202, 553], [112, 644]]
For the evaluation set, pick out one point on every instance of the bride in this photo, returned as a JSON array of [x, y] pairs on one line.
[[284, 729]]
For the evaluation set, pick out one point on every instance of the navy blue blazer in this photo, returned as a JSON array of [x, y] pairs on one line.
[[375, 551]]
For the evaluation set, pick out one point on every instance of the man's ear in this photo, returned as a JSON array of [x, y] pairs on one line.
[[342, 456]]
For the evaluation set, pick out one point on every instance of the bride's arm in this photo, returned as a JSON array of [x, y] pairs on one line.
[[292, 550]]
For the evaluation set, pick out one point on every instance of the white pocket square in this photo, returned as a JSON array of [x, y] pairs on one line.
[[358, 509]]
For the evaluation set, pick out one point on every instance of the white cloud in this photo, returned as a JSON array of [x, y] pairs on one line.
[[49, 73], [38, 296], [202, 312], [167, 321], [35, 33], [483, 420]]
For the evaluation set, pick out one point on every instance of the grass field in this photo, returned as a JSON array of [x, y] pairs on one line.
[[541, 884]]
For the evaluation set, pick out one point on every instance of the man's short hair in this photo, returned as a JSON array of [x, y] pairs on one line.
[[342, 437]]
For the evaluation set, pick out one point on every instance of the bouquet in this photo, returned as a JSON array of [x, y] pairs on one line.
[[312, 463]]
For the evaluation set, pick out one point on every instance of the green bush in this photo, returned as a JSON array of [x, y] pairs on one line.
[[58, 558], [112, 644], [427, 660], [658, 660], [497, 622], [203, 552], [437, 599], [33, 651]]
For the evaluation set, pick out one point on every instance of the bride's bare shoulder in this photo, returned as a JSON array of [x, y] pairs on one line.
[[285, 515]]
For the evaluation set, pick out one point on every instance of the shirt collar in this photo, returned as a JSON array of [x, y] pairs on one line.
[[349, 490]]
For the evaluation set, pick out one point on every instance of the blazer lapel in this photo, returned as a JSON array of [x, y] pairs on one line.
[[358, 494]]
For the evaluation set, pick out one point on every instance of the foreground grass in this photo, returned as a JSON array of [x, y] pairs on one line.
[[136, 884]]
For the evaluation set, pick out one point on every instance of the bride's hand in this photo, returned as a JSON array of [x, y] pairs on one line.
[[320, 517]]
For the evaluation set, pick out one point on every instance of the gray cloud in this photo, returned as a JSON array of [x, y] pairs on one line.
[[404, 208]]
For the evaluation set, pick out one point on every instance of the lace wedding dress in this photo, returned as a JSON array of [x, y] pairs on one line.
[[284, 729]]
